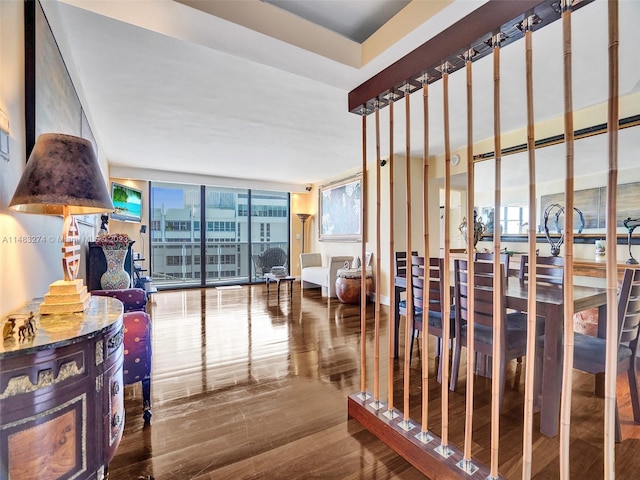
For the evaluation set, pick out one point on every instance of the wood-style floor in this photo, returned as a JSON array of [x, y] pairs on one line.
[[246, 387]]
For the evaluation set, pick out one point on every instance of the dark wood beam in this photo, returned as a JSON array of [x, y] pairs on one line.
[[421, 456]]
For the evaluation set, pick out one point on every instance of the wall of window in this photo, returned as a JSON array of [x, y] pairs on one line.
[[229, 241]]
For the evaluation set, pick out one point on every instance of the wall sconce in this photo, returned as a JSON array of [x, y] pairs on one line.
[[4, 136], [62, 177]]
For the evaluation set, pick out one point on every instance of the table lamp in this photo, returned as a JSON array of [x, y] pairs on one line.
[[62, 177]]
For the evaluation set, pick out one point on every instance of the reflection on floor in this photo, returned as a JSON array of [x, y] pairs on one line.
[[245, 386]]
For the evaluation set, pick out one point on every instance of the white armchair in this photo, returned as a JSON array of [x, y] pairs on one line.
[[313, 274]]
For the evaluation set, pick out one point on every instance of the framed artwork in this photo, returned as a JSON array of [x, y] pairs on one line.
[[51, 101], [340, 207], [592, 202]]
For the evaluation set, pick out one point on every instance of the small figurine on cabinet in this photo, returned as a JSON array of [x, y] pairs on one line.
[[9, 328], [31, 324], [27, 329]]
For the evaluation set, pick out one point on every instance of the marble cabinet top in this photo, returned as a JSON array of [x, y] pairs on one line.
[[54, 331]]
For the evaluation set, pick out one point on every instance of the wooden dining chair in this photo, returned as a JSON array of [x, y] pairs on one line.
[[513, 332], [589, 352], [488, 257], [401, 263], [548, 270], [428, 292]]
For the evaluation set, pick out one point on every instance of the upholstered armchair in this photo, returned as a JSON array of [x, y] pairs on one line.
[[137, 341]]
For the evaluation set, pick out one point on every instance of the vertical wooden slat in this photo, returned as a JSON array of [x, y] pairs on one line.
[[363, 244], [497, 278], [471, 357], [392, 292], [427, 263], [363, 222], [612, 257], [532, 306], [376, 336], [446, 300], [567, 374], [409, 301]]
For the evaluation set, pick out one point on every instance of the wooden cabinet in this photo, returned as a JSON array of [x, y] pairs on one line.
[[61, 394], [97, 265]]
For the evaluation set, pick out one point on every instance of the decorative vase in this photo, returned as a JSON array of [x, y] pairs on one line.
[[601, 251], [559, 209], [479, 229], [115, 278]]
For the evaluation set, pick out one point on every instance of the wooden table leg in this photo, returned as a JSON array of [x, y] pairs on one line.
[[602, 333], [552, 371]]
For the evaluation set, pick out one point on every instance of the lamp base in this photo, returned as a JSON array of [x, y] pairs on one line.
[[65, 296]]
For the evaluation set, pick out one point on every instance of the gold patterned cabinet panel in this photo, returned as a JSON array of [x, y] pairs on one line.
[[59, 393]]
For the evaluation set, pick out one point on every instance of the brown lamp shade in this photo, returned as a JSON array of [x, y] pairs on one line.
[[62, 172]]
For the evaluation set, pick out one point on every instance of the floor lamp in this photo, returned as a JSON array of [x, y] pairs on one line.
[[303, 218]]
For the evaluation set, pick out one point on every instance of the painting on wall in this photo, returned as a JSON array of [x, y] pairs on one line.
[[592, 202], [340, 207], [51, 101]]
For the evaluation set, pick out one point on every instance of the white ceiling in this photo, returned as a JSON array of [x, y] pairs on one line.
[[356, 20], [229, 92]]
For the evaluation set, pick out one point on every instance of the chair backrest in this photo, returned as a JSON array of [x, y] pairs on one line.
[[273, 257], [133, 299], [418, 282], [488, 257], [428, 289], [435, 286], [548, 270], [367, 259], [629, 308], [402, 263], [483, 296]]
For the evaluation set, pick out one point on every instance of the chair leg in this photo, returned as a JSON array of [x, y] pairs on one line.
[[455, 365], [146, 399], [618, 434], [502, 380], [415, 334], [537, 378], [438, 358], [632, 374]]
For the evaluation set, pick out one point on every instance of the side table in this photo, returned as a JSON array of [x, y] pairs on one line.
[[270, 278]]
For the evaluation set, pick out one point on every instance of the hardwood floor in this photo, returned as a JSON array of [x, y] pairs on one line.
[[246, 387]]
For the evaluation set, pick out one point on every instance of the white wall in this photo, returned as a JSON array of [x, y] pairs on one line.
[[30, 245]]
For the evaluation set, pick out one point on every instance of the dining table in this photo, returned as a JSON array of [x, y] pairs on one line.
[[549, 306]]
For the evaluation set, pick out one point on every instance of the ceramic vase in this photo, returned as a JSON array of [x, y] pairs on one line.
[[115, 278], [479, 229]]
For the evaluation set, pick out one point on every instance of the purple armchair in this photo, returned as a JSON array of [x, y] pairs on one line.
[[137, 341]]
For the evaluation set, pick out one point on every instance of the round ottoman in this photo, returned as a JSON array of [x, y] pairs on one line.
[[349, 282]]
